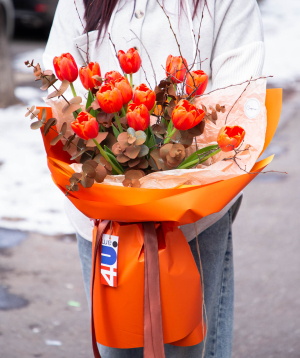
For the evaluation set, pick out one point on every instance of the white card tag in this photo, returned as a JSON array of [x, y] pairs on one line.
[[109, 260]]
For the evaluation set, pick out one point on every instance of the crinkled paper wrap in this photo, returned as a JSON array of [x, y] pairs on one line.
[[214, 169]]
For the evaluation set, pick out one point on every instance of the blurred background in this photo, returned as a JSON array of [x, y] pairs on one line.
[[43, 310]]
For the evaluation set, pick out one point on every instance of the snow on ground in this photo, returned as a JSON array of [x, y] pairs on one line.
[[21, 58], [29, 199], [281, 20]]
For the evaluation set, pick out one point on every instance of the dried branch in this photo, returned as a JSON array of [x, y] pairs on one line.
[[237, 100], [87, 34], [154, 74], [178, 45], [35, 116], [234, 158], [197, 44], [238, 84], [115, 52], [146, 77]]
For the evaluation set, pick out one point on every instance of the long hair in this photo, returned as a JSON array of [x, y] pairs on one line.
[[98, 13]]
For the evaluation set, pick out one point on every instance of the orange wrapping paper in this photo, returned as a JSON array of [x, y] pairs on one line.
[[174, 207]]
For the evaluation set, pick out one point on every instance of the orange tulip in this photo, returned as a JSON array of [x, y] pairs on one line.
[[230, 137], [86, 75], [186, 116], [200, 80], [138, 117], [144, 95], [130, 61], [110, 98], [65, 67], [175, 68], [124, 87], [112, 75], [85, 126]]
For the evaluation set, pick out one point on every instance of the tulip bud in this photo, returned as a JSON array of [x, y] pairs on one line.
[[230, 137], [124, 87], [85, 126], [129, 61], [110, 98], [186, 116], [65, 67], [138, 117], [112, 75], [144, 95], [176, 68], [86, 75], [200, 80]]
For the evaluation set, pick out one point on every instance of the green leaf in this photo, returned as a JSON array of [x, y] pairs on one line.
[[113, 159], [116, 132], [90, 99], [75, 114], [193, 159], [150, 141], [108, 150], [170, 127]]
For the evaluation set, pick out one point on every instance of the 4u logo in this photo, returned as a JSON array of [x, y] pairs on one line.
[[109, 260]]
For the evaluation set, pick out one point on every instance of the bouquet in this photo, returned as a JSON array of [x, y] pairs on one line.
[[143, 161]]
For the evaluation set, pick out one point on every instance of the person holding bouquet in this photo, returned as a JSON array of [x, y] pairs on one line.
[[230, 50]]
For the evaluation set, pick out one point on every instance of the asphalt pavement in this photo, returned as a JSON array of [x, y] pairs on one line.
[[43, 310]]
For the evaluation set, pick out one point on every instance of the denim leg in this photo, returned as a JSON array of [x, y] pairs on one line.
[[85, 255], [217, 262], [216, 254]]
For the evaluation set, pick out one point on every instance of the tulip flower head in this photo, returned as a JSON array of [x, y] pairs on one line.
[[200, 79], [86, 75], [85, 126], [124, 87], [186, 116], [176, 68], [112, 75], [130, 61], [144, 95], [65, 67], [110, 98], [230, 137], [138, 117]]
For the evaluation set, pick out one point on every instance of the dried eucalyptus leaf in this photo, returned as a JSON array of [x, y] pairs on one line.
[[56, 139], [70, 108], [144, 151], [30, 110], [35, 113], [100, 174], [140, 137], [78, 154], [44, 116], [69, 141], [87, 182], [50, 123], [36, 125], [64, 128], [76, 100]]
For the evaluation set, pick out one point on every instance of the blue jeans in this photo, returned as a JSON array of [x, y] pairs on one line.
[[217, 262]]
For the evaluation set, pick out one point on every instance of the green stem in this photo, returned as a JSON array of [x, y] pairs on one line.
[[196, 161], [118, 122], [152, 110], [169, 137], [123, 112], [175, 87], [131, 83], [210, 155], [73, 89], [102, 151]]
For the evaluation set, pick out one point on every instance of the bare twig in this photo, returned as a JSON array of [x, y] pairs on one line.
[[238, 84], [237, 100], [87, 34], [197, 44], [115, 52], [59, 133], [146, 77], [154, 74], [178, 45]]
